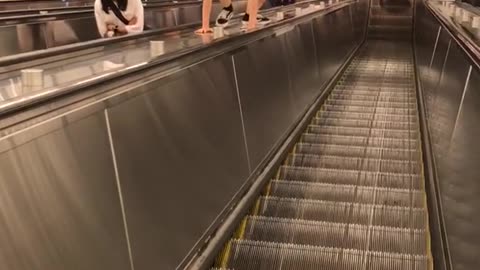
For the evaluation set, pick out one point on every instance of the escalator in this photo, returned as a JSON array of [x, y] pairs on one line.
[[350, 194]]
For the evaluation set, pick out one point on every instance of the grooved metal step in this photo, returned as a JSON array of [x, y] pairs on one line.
[[377, 89], [365, 123], [359, 141], [351, 177], [377, 83], [354, 163], [350, 194], [374, 116], [372, 103], [335, 235], [346, 193], [343, 212], [357, 151], [354, 95], [361, 131], [270, 255], [363, 109]]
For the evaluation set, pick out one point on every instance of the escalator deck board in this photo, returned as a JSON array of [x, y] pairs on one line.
[[350, 194]]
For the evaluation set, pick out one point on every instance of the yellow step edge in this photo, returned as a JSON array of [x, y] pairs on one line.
[[225, 255], [256, 209]]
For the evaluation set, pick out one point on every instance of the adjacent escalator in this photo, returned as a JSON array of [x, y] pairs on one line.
[[350, 195]]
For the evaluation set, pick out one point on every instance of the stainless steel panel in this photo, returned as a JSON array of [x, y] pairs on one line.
[[302, 65], [266, 97], [459, 174], [432, 76], [447, 99], [332, 47], [181, 158], [360, 16], [426, 32], [160, 18], [59, 202], [21, 38], [453, 118]]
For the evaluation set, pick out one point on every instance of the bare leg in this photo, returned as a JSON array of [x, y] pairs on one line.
[[226, 3], [252, 9]]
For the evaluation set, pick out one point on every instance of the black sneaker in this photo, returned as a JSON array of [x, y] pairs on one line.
[[261, 20], [224, 17]]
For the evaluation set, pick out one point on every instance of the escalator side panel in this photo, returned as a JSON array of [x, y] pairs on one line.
[[59, 200], [446, 100], [176, 143], [458, 172], [452, 104], [283, 99]]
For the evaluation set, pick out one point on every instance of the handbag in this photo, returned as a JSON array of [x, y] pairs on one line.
[[113, 7]]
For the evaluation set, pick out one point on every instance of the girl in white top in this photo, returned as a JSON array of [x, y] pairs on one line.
[[109, 24]]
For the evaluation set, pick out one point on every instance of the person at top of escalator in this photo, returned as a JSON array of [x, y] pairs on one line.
[[119, 17]]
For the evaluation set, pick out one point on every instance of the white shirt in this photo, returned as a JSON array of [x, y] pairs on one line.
[[134, 10]]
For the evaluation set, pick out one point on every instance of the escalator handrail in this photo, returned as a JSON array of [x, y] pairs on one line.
[[77, 11], [441, 261], [468, 46], [25, 102], [16, 59]]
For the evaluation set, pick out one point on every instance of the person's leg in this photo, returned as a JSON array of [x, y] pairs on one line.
[[251, 16], [226, 14]]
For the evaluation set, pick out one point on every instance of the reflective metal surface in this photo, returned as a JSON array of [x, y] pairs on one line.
[[176, 146], [29, 37], [181, 158], [460, 186], [6, 5], [88, 63], [59, 202], [449, 81], [447, 98], [264, 102]]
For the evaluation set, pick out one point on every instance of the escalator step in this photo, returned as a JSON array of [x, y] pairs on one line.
[[372, 103], [352, 177], [351, 193], [335, 235], [362, 109], [369, 116], [377, 89], [346, 193], [353, 163], [361, 131], [342, 212], [247, 254], [378, 83], [360, 75], [357, 151], [359, 141], [360, 96], [365, 123]]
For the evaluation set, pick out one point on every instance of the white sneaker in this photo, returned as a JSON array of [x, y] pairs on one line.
[[224, 17], [261, 20]]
